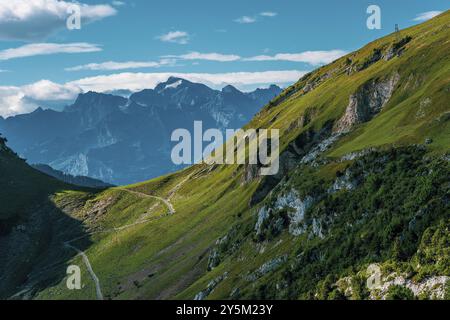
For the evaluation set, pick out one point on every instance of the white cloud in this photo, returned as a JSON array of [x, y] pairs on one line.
[[113, 65], [245, 20], [15, 100], [206, 56], [47, 48], [32, 20], [48, 90], [12, 102], [253, 19], [180, 37], [118, 3], [427, 15], [268, 14], [311, 57], [140, 81]]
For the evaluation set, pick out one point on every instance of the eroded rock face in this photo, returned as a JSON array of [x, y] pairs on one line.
[[263, 215], [296, 217], [319, 149], [432, 287], [397, 49], [314, 83], [296, 214], [368, 101], [214, 256], [267, 267], [251, 172], [344, 182], [210, 288]]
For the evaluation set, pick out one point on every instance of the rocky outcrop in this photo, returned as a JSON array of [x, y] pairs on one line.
[[288, 160], [214, 256], [269, 217], [263, 215], [309, 141], [202, 295], [296, 216], [432, 287], [267, 267], [343, 182], [251, 172], [424, 105], [319, 149], [317, 81], [376, 56], [397, 48], [368, 101], [385, 52], [355, 155]]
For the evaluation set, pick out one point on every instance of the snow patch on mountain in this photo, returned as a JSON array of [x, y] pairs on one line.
[[174, 85]]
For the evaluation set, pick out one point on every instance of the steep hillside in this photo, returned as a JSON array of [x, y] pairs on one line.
[[364, 180], [31, 225]]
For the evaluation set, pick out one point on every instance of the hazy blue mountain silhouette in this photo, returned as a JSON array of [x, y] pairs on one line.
[[124, 140]]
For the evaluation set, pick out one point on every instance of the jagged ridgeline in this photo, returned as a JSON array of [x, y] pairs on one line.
[[363, 181]]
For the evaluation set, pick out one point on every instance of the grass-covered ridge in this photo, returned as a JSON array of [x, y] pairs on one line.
[[388, 203]]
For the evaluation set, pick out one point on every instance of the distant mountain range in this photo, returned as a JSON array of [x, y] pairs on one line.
[[81, 181], [123, 140]]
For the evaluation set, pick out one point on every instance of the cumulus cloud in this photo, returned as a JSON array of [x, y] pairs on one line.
[[36, 49], [207, 56], [48, 90], [140, 81], [310, 57], [180, 37], [427, 15], [245, 20], [16, 100], [114, 66], [12, 102], [33, 20]]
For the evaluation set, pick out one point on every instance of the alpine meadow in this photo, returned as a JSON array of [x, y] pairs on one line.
[[358, 209]]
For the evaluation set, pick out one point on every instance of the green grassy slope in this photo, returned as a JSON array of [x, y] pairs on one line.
[[424, 73], [166, 256]]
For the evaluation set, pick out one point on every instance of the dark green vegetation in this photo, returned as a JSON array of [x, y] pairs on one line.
[[31, 226], [364, 180], [390, 211]]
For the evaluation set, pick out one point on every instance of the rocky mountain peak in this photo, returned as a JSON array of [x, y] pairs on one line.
[[230, 89], [172, 83]]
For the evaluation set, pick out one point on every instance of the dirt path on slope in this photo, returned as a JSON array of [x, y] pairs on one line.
[[98, 289], [141, 221], [67, 244]]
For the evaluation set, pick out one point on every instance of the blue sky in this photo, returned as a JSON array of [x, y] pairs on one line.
[[135, 44]]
